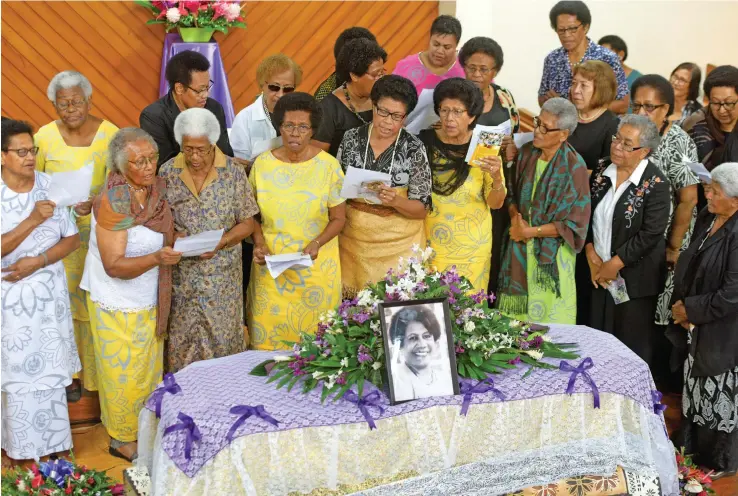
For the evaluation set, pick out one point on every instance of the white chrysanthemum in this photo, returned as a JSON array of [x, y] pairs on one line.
[[377, 365], [469, 326], [534, 354], [173, 15]]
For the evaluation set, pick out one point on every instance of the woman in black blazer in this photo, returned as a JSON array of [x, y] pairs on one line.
[[630, 208], [705, 314]]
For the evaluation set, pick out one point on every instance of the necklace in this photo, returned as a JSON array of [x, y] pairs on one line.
[[136, 190], [264, 104], [351, 105], [590, 119]]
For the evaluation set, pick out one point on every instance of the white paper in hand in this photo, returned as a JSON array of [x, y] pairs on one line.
[[423, 115], [701, 172], [197, 244], [502, 129], [359, 183], [277, 264], [70, 188], [522, 139]]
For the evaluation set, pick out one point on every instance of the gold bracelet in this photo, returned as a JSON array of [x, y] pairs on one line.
[[502, 185], [315, 241]]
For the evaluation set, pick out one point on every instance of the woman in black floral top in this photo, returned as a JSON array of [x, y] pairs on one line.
[[381, 229]]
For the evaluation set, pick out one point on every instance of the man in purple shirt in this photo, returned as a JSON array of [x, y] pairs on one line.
[[571, 21]]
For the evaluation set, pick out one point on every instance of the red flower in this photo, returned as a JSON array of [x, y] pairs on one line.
[[192, 6], [91, 481], [37, 481], [46, 492], [76, 476], [117, 490], [34, 469], [83, 468], [68, 490]]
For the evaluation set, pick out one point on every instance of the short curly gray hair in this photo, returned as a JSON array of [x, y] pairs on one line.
[[66, 80], [649, 134], [196, 122], [117, 148], [565, 112], [726, 175]]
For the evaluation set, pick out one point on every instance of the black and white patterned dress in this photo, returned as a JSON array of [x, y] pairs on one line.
[[675, 153]]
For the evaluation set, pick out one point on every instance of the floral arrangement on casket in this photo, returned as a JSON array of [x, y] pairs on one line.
[[692, 480], [59, 477], [219, 15], [348, 349]]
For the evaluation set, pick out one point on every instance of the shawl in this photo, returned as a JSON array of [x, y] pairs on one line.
[[705, 131], [561, 198], [444, 157], [114, 211]]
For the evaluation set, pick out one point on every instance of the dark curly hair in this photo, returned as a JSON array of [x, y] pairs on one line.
[[463, 90], [397, 88], [725, 75], [352, 33], [446, 24], [181, 66], [416, 313], [695, 80], [356, 56], [660, 84], [294, 102], [616, 43], [570, 7], [482, 44], [12, 128]]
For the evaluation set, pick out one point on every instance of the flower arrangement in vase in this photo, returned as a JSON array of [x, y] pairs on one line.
[[196, 20]]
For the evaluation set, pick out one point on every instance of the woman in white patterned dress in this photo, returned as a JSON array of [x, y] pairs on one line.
[[39, 355]]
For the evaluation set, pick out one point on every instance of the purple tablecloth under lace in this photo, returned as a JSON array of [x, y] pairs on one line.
[[209, 389]]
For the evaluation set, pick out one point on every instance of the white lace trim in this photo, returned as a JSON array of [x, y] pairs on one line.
[[114, 308]]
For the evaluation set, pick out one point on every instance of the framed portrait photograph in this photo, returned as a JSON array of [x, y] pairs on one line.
[[419, 349]]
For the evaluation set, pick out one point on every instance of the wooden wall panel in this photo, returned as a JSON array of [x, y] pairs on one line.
[[110, 43]]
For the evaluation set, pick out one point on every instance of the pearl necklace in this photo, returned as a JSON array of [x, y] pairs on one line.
[[590, 119]]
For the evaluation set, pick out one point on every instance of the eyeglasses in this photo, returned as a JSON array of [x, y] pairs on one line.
[[636, 107], [472, 69], [377, 75], [396, 116], [572, 30], [678, 81], [22, 152], [276, 87], [537, 124], [445, 112], [144, 161], [301, 129], [729, 106], [74, 104], [190, 151], [618, 141], [204, 90]]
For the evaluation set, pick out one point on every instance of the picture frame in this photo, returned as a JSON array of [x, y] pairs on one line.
[[420, 353]]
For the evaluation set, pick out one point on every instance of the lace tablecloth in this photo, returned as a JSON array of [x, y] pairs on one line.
[[536, 436]]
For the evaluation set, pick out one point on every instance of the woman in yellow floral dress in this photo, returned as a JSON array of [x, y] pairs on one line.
[[297, 187], [459, 227], [73, 141]]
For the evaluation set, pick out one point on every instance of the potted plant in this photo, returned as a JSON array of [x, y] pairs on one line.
[[196, 20]]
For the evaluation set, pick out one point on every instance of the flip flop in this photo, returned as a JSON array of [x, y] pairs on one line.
[[113, 450]]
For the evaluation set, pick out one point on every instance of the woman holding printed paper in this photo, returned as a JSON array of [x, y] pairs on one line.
[[297, 188], [207, 191], [459, 225], [77, 139], [379, 232]]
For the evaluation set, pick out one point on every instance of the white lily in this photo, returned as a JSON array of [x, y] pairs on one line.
[[693, 486]]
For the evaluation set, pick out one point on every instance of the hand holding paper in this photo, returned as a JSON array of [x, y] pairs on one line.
[[701, 172], [277, 264], [192, 246], [70, 188], [365, 184]]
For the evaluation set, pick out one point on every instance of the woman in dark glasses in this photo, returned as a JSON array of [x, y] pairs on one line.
[[253, 132]]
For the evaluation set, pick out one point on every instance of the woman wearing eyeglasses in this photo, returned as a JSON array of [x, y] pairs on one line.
[[128, 279], [360, 64], [548, 203], [626, 247], [188, 75], [77, 139], [459, 225], [207, 191], [253, 131], [38, 349], [381, 230], [298, 191], [685, 80]]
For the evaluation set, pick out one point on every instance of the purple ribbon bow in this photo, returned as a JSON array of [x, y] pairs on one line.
[[57, 470], [585, 365], [483, 386], [170, 386], [371, 399], [246, 411], [192, 433], [656, 397]]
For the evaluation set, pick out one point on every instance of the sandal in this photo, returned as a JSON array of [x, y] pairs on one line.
[[113, 449]]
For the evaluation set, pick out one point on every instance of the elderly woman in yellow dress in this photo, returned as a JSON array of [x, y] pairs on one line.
[[459, 226], [77, 139], [207, 191], [128, 277], [297, 188]]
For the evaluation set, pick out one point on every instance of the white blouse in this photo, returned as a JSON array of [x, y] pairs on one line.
[[253, 133], [125, 295]]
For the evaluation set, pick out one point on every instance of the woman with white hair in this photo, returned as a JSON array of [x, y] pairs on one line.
[[548, 203], [626, 246], [705, 314], [75, 140], [207, 191], [128, 277]]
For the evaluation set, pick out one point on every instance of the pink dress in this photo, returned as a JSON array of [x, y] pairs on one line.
[[412, 68]]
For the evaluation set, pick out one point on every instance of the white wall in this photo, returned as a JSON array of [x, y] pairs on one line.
[[660, 35]]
